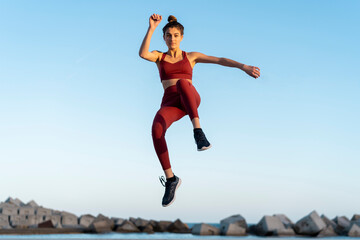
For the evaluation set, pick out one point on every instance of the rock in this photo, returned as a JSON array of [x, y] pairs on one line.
[[205, 229], [311, 224], [328, 222], [162, 226], [16, 201], [285, 220], [102, 224], [354, 230], [46, 224], [268, 224], [43, 211], [232, 229], [178, 227], [32, 204], [148, 228], [36, 219], [117, 221], [356, 217], [55, 219], [26, 211], [127, 227], [328, 231], [140, 223], [68, 220], [20, 221], [4, 222], [342, 225], [9, 209], [86, 220], [234, 219]]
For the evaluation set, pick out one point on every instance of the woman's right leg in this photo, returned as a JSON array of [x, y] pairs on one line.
[[162, 121]]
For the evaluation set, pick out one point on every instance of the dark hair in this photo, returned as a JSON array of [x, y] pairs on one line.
[[172, 22]]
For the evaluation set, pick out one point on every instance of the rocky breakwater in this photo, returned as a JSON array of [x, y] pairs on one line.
[[17, 217], [311, 225]]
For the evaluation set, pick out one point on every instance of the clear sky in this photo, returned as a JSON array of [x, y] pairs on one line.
[[77, 104]]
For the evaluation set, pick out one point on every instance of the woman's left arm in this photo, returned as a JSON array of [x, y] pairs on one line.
[[202, 58]]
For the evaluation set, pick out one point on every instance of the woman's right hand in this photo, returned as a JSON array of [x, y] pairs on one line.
[[154, 20]]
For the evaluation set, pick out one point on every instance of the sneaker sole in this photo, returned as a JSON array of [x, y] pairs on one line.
[[204, 148], [174, 194]]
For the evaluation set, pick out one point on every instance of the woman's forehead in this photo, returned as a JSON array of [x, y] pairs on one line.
[[172, 30]]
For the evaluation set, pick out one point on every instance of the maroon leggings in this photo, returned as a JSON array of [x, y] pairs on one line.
[[178, 100]]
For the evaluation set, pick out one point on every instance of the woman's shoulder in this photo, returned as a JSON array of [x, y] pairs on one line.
[[159, 54]]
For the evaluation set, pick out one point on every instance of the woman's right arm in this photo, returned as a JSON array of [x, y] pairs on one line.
[[144, 53]]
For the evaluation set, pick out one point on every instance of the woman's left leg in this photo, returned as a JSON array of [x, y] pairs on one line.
[[190, 99]]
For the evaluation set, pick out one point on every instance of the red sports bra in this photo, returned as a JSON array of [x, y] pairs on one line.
[[180, 69]]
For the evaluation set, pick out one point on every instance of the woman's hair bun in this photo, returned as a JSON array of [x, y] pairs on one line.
[[171, 18]]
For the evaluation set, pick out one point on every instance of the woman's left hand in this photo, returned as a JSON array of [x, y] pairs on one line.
[[252, 71]]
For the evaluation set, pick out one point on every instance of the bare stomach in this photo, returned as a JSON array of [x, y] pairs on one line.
[[171, 82]]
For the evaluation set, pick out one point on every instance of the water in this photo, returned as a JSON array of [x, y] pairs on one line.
[[123, 236]]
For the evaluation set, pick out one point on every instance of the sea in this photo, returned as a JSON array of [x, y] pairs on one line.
[[125, 236]]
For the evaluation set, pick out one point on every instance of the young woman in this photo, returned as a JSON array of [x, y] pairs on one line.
[[180, 96]]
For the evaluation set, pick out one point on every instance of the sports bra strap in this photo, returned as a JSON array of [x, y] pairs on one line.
[[163, 56]]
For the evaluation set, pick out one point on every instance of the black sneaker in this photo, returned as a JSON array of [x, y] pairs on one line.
[[200, 140], [170, 189]]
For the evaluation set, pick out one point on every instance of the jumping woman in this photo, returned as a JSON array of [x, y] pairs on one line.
[[180, 96]]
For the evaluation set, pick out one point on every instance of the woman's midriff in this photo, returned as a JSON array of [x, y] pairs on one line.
[[171, 82]]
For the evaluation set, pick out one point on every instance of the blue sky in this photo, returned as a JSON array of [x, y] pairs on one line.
[[77, 105]]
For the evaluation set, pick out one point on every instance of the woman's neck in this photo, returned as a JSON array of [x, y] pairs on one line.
[[175, 52]]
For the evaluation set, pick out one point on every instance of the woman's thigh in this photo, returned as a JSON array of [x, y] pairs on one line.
[[167, 115]]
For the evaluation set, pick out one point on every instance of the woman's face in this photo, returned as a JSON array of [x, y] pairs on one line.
[[173, 38]]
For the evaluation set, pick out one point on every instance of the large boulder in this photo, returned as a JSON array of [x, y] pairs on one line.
[[15, 201], [4, 222], [102, 224], [141, 224], [161, 226], [268, 225], [43, 211], [55, 219], [32, 204], [328, 222], [328, 231], [148, 228], [117, 221], [69, 220], [342, 225], [355, 218], [178, 227], [9, 209], [234, 225], [26, 210], [310, 225], [46, 224], [237, 219], [21, 221], [205, 229], [285, 220], [86, 220], [354, 230], [127, 227]]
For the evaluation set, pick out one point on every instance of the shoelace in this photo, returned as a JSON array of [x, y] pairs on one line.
[[162, 180]]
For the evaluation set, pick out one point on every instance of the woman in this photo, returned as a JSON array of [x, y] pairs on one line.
[[180, 96]]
